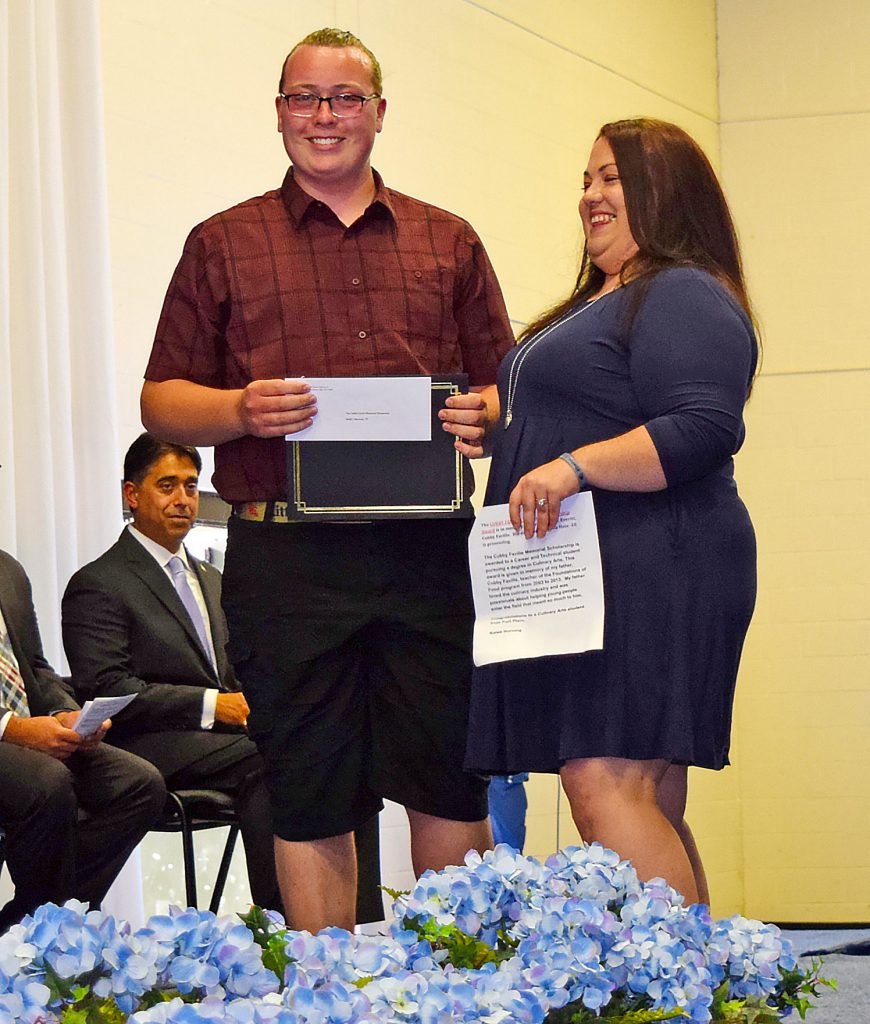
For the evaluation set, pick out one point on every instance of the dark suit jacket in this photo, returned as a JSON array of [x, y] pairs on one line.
[[125, 630], [46, 691], [49, 853]]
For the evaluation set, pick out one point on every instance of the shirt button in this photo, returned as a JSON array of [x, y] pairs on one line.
[[418, 273], [355, 280], [362, 334]]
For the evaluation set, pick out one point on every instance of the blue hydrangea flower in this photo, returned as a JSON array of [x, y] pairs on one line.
[[582, 925], [26, 1002], [213, 954], [749, 954], [68, 939]]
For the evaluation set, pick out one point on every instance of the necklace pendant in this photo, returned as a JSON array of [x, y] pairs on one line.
[[507, 420]]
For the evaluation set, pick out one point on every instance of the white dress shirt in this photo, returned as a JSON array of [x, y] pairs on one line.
[[162, 556]]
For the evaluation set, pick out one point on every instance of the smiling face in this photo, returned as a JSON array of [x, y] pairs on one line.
[[330, 155], [166, 503], [609, 240]]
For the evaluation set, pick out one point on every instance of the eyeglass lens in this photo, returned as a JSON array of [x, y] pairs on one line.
[[306, 104]]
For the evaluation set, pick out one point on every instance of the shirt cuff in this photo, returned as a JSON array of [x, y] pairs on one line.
[[6, 716], [209, 707]]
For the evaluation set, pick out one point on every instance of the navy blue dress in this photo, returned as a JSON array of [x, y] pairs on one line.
[[679, 564]]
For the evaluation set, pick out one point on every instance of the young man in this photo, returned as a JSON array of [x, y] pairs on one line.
[[352, 640]]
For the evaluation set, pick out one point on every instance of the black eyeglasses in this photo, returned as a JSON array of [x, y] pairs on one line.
[[345, 104]]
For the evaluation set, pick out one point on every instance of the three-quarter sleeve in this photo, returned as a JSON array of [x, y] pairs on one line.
[[692, 353]]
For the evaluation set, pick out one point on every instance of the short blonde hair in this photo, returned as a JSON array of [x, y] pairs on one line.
[[337, 38]]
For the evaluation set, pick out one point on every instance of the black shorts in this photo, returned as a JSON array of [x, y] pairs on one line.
[[353, 646]]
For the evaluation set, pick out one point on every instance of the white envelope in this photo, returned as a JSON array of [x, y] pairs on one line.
[[369, 409]]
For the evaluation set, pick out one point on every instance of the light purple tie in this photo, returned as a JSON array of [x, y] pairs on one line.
[[182, 588]]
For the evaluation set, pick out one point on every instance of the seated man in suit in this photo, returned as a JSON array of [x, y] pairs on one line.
[[48, 774], [146, 618]]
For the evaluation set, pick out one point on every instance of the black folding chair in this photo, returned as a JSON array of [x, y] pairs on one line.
[[192, 810]]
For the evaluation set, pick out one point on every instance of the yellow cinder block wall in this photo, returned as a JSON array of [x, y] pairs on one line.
[[794, 92], [492, 107]]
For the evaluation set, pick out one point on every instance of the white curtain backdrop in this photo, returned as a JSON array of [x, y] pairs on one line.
[[58, 421], [59, 489]]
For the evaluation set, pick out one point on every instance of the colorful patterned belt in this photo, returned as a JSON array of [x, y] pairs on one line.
[[262, 511]]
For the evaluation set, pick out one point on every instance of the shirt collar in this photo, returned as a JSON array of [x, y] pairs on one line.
[[161, 554], [299, 202]]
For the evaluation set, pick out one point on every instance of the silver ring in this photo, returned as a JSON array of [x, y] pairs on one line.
[[542, 502]]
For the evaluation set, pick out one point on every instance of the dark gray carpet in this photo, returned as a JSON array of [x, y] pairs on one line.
[[850, 1003]]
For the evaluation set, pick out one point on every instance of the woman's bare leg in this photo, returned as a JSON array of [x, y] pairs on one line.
[[614, 802], [671, 794]]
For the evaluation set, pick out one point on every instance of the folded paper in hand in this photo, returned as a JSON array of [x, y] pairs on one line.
[[95, 712]]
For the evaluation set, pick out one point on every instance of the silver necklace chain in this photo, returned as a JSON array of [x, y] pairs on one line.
[[514, 374]]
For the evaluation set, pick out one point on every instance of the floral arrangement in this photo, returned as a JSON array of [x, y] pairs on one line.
[[501, 938]]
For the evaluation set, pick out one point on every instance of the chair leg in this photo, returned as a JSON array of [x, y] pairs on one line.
[[224, 869], [189, 856]]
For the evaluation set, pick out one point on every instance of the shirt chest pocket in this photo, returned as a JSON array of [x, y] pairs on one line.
[[415, 301]]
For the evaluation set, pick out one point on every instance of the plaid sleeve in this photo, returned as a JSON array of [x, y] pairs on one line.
[[190, 342], [485, 334]]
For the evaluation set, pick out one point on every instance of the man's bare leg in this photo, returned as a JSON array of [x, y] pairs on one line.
[[437, 842], [317, 879]]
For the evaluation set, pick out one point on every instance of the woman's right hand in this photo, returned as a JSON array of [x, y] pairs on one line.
[[535, 502]]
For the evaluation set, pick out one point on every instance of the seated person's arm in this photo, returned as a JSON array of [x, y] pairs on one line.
[[96, 638], [50, 734]]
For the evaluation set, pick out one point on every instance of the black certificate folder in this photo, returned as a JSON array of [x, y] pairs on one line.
[[349, 480]]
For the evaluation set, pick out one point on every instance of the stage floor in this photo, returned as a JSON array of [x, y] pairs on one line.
[[850, 1003]]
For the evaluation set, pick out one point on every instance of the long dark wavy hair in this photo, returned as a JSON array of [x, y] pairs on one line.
[[677, 213]]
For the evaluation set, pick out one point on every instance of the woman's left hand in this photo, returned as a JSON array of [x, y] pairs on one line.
[[535, 501]]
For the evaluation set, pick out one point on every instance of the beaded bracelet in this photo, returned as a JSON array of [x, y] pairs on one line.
[[575, 465]]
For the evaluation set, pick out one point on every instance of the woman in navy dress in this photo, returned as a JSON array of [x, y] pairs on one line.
[[634, 388]]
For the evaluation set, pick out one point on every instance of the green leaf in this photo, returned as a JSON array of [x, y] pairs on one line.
[[276, 958], [158, 995], [799, 988], [90, 1010], [394, 894], [59, 988], [270, 940], [648, 1016], [260, 925], [739, 1011], [107, 1012], [73, 1015], [614, 1013], [462, 950]]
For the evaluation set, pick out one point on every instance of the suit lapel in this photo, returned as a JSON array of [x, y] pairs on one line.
[[143, 565], [7, 599]]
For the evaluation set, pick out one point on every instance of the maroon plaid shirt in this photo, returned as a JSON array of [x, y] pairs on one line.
[[279, 287]]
